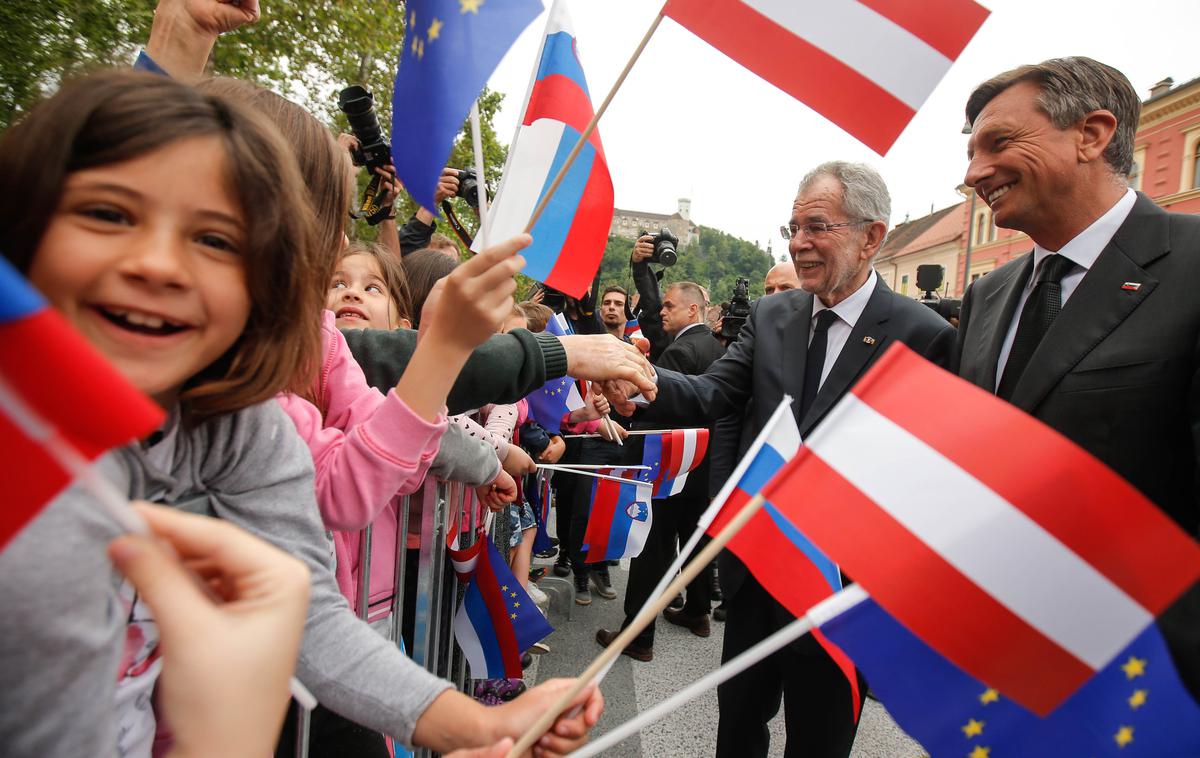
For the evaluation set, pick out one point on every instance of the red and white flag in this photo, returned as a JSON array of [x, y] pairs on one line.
[[866, 65], [999, 542]]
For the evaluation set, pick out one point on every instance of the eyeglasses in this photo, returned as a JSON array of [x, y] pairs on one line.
[[815, 229]]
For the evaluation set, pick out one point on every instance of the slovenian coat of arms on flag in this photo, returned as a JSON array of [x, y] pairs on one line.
[[620, 518], [570, 235]]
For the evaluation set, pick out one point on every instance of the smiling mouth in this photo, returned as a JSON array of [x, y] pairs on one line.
[[350, 313], [996, 194], [141, 323], [808, 265]]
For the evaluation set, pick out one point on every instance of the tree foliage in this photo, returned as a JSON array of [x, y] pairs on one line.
[[307, 50], [715, 261]]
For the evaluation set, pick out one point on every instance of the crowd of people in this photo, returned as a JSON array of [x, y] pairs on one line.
[[311, 382]]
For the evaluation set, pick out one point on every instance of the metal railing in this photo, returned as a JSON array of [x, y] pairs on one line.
[[438, 593]]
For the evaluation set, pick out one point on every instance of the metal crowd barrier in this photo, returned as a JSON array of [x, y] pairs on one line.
[[438, 592]]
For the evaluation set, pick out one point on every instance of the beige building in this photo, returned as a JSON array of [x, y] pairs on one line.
[[630, 224], [936, 238]]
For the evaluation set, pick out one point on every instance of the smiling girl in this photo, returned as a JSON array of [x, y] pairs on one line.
[[171, 228]]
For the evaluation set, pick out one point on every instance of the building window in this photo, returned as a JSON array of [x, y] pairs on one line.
[[980, 227], [1135, 177], [1196, 166], [904, 285], [992, 229]]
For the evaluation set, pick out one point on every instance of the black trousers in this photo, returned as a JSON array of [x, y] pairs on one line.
[[595, 451], [331, 736], [674, 520], [818, 710]]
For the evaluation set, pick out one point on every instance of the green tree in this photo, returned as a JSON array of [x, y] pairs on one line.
[[307, 50], [715, 260]]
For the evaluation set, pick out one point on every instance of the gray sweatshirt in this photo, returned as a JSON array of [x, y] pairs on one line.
[[62, 627]]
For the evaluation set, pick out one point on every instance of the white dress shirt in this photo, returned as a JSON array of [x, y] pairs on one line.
[[1083, 251], [848, 312], [679, 333]]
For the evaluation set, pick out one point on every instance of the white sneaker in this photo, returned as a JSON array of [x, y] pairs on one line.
[[538, 597]]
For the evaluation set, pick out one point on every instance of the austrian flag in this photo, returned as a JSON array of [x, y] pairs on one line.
[[866, 65], [999, 543]]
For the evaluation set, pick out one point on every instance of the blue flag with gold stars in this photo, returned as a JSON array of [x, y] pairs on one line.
[[450, 49], [1136, 706], [497, 620]]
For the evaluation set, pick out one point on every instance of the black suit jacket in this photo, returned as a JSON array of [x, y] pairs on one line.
[[692, 353], [1117, 371], [767, 362]]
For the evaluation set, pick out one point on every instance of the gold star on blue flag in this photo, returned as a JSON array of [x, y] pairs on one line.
[[451, 49], [1135, 706]]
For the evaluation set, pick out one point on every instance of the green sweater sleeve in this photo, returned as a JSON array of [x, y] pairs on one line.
[[504, 369]]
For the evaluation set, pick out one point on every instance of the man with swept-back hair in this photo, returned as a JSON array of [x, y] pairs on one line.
[[811, 343], [1095, 332]]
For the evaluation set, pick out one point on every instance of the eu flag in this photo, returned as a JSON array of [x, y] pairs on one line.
[[451, 48], [1135, 706]]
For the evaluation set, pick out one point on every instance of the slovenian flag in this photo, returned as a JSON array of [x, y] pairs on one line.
[[570, 235], [54, 381], [633, 329], [620, 518], [670, 456], [497, 620]]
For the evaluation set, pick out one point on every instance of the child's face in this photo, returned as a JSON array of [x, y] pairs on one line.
[[145, 259], [359, 297]]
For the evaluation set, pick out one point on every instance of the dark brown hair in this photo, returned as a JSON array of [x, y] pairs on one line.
[[393, 273], [614, 288], [115, 116], [422, 269]]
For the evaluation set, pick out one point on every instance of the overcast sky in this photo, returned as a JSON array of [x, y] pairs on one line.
[[690, 122]]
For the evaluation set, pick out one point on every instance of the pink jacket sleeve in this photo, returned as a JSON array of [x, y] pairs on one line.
[[368, 447]]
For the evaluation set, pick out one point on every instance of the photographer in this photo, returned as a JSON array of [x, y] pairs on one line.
[[418, 232], [649, 299]]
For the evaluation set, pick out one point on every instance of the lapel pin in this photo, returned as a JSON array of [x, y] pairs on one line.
[[1131, 286], [869, 340]]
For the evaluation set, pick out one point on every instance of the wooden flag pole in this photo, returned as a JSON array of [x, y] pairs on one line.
[[485, 224], [591, 127], [818, 614], [644, 618]]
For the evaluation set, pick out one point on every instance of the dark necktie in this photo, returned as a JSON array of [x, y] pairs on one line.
[[1039, 312], [814, 364]]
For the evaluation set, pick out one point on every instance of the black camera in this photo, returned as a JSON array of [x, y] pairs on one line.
[[929, 280], [373, 150], [665, 243], [468, 187], [734, 315]]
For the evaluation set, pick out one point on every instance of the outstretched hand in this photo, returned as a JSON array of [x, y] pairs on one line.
[[214, 16], [184, 32], [603, 357]]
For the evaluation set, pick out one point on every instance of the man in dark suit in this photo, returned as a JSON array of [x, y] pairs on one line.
[[692, 349], [813, 344], [1100, 344]]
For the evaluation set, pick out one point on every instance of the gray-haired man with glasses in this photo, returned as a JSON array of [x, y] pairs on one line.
[[813, 344]]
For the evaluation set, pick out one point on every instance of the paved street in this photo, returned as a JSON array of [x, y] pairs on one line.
[[679, 658]]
